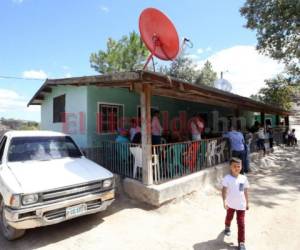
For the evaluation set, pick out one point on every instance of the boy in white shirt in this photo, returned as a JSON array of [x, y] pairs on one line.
[[235, 199]]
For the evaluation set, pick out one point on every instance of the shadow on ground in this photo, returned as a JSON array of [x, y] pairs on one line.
[[276, 178], [215, 244], [43, 236]]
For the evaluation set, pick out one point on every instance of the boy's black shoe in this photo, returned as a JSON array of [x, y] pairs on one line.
[[242, 246], [227, 231]]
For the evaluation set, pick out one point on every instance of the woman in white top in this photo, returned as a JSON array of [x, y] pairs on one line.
[[196, 128], [156, 128]]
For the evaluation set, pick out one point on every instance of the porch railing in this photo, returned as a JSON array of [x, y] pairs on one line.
[[114, 156], [169, 161], [175, 160]]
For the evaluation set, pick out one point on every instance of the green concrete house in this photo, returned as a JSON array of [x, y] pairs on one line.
[[82, 98], [92, 108]]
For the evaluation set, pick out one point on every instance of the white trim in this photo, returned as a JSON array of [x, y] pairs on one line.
[[112, 104]]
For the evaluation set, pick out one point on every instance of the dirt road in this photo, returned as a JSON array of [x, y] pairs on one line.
[[194, 223]]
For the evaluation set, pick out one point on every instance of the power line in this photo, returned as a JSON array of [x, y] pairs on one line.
[[21, 78]]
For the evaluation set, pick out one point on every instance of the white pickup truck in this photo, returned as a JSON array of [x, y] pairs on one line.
[[45, 179]]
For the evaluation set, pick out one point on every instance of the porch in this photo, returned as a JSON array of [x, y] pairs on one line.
[[169, 161], [156, 164]]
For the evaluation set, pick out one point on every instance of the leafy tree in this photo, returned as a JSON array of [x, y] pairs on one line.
[[207, 75], [278, 92], [182, 68], [29, 126], [256, 97], [277, 25], [128, 53], [19, 124]]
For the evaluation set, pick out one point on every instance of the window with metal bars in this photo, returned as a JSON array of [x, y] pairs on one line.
[[109, 118]]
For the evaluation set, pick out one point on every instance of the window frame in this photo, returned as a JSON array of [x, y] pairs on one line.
[[120, 116]]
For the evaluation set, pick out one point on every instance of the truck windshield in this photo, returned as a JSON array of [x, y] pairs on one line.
[[42, 148]]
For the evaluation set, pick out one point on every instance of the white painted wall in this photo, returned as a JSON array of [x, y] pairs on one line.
[[76, 102]]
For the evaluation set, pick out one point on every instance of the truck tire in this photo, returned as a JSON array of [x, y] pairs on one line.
[[7, 231]]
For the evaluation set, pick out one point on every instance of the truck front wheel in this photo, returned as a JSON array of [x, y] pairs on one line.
[[8, 232]]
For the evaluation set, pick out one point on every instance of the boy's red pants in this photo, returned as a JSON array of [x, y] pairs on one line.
[[240, 218]]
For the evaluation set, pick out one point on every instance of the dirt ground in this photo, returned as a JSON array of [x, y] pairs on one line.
[[194, 222]]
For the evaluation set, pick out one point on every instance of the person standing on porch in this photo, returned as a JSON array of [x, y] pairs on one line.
[[134, 129], [196, 128], [237, 146], [235, 199], [156, 128]]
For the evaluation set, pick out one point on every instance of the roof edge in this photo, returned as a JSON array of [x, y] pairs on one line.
[[144, 75], [37, 93]]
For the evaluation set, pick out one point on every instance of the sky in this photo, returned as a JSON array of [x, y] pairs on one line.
[[54, 39]]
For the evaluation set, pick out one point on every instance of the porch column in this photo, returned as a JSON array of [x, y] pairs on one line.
[[287, 121], [262, 118], [146, 134]]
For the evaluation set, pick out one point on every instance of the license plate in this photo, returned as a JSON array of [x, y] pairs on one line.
[[75, 211]]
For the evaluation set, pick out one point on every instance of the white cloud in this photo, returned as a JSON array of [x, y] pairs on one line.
[[14, 105], [192, 56], [68, 75], [200, 51], [36, 74], [10, 100], [247, 69], [203, 50], [104, 8]]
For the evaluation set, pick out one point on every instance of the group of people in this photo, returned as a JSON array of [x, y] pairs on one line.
[[259, 130], [133, 134], [235, 185], [195, 126], [240, 143], [289, 137]]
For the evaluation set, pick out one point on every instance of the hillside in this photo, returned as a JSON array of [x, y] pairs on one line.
[[8, 124]]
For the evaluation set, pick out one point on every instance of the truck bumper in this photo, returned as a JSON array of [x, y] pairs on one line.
[[55, 213]]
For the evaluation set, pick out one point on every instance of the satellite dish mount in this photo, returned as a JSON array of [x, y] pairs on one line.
[[159, 35]]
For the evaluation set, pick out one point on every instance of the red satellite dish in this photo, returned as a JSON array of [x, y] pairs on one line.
[[159, 35]]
